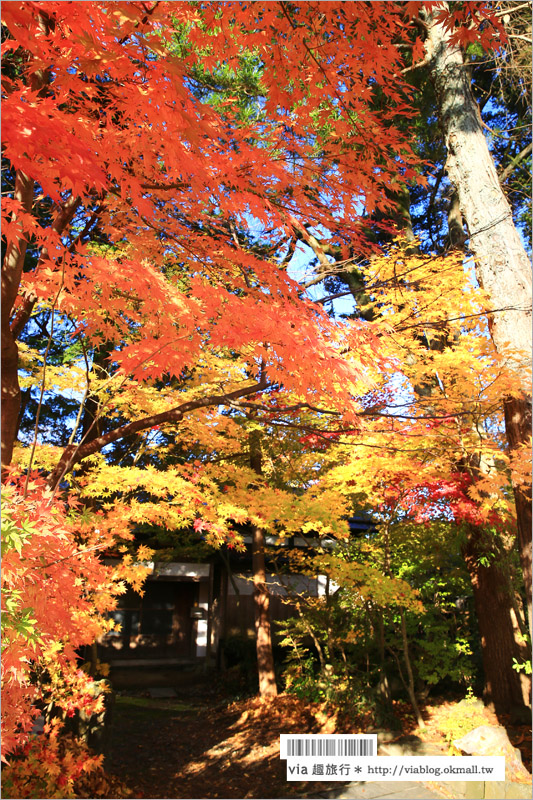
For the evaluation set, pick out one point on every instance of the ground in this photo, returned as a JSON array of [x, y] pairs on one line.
[[201, 749], [200, 744]]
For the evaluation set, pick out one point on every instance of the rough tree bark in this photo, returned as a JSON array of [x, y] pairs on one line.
[[502, 265], [265, 657], [504, 688], [518, 429]]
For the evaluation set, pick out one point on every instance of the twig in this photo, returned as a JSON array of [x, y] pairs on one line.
[[514, 162], [43, 382], [510, 10]]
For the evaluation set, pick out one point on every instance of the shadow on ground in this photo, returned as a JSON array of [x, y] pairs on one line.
[[188, 740], [199, 746]]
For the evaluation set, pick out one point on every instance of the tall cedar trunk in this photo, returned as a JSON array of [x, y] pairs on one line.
[[518, 428], [502, 265], [503, 686], [263, 633]]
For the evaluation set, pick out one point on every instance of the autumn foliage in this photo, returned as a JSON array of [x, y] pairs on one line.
[[159, 174], [165, 162], [56, 591]]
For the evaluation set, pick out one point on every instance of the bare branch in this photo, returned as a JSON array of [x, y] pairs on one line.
[[425, 61], [511, 9], [514, 163]]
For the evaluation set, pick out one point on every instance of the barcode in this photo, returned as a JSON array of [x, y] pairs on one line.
[[330, 747]]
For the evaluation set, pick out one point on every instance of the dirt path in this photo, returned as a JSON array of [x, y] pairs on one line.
[[165, 748]]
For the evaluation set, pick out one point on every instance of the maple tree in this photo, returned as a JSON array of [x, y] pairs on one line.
[[433, 442], [56, 593], [153, 227], [436, 445], [166, 209], [132, 159]]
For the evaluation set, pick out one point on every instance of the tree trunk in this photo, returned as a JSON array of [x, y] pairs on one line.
[[499, 646], [410, 676], [518, 429], [383, 687], [502, 266], [265, 657], [12, 265]]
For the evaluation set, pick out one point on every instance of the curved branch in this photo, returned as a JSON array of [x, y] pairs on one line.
[[76, 453]]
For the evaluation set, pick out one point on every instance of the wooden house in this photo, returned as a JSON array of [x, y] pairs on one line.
[[188, 608]]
